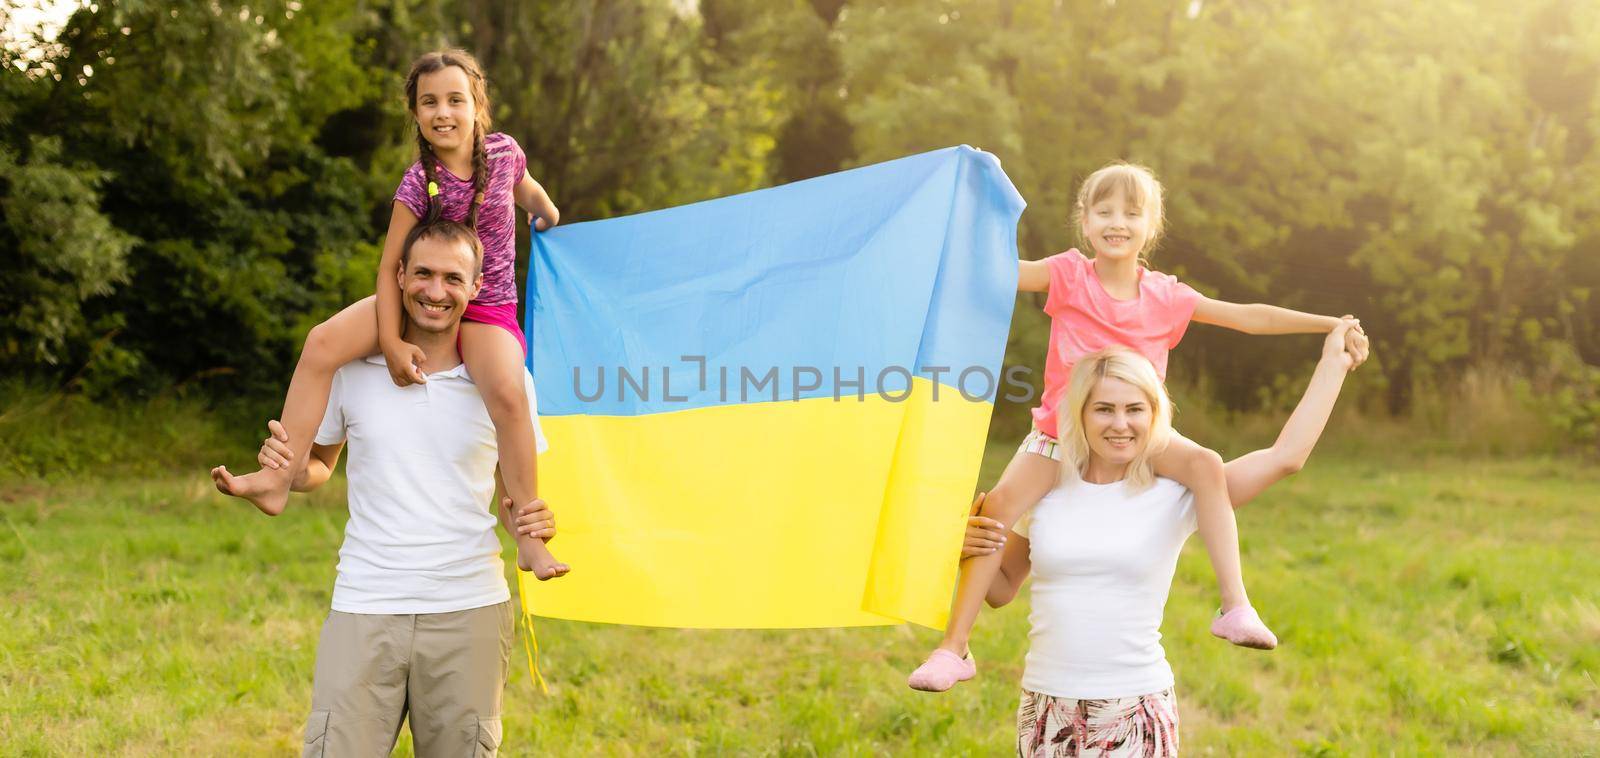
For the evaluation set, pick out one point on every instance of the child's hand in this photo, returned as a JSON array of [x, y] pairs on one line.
[[540, 224], [405, 363]]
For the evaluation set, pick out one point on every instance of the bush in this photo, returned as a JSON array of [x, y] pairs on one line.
[[53, 435]]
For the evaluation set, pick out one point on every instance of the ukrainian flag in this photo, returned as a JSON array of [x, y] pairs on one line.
[[768, 410]]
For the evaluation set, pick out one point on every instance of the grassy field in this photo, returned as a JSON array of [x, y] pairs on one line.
[[1436, 606]]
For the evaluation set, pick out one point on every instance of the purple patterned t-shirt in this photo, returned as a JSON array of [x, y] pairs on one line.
[[496, 219]]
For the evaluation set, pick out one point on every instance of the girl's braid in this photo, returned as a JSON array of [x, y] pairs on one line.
[[430, 174], [480, 176]]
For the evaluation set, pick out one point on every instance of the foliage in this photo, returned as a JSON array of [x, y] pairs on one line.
[[49, 436], [62, 249], [1432, 170], [200, 122], [1423, 169]]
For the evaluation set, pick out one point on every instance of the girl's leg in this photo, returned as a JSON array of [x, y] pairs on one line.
[[346, 336], [1026, 479], [1202, 471], [494, 358]]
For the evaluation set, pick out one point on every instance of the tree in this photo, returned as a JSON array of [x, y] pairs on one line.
[[203, 215]]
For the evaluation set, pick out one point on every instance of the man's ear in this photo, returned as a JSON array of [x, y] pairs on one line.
[[400, 277], [477, 284]]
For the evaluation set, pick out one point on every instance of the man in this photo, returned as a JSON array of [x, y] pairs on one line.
[[421, 618]]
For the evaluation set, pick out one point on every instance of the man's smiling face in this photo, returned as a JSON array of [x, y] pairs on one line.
[[439, 279]]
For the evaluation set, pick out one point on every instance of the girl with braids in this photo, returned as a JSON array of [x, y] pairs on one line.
[[447, 96]]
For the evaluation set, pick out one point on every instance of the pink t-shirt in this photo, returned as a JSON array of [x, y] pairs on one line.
[[496, 219], [1084, 318]]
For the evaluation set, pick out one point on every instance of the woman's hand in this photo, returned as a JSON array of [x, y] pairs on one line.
[[1357, 346], [984, 537], [405, 362], [1346, 344], [984, 534]]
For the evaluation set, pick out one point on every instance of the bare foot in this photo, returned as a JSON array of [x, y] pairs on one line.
[[535, 558], [267, 489]]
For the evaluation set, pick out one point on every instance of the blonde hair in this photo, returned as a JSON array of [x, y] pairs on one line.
[[1137, 184], [1115, 362]]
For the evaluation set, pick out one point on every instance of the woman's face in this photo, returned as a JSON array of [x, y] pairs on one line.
[[1116, 420]]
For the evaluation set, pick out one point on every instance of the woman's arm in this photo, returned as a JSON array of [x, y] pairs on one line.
[[1033, 276], [1253, 472], [1260, 318], [404, 366], [1014, 567], [531, 197]]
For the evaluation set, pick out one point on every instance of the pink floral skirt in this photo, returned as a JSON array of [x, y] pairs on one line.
[[1126, 727]]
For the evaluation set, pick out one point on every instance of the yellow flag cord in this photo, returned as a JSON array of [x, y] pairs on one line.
[[531, 645]]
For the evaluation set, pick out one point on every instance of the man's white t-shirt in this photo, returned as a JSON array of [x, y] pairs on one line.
[[1103, 558], [420, 538]]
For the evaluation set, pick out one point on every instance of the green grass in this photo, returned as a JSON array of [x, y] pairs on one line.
[[1425, 607]]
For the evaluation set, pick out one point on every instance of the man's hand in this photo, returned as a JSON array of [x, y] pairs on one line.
[[532, 520], [984, 534], [276, 453]]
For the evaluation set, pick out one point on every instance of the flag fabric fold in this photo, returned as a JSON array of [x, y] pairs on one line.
[[768, 410]]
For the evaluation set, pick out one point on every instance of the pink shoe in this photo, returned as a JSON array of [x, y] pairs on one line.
[[941, 671], [1243, 627]]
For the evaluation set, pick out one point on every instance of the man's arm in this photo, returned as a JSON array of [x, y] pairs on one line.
[[502, 503], [318, 467]]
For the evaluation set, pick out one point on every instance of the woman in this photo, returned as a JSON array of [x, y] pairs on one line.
[[1103, 547]]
